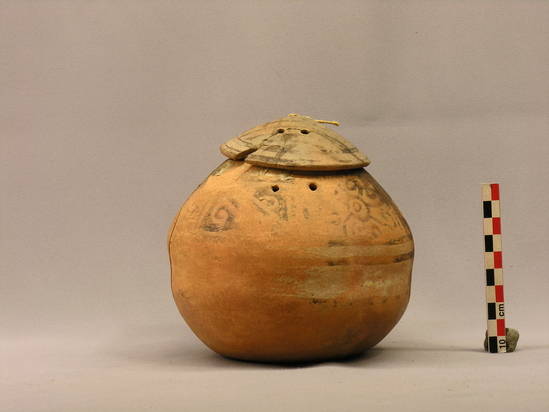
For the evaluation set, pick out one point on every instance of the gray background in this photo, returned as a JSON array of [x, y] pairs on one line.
[[112, 112]]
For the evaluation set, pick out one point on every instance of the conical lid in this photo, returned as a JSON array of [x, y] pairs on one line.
[[295, 142]]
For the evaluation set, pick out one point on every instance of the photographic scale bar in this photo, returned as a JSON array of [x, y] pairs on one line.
[[497, 340]]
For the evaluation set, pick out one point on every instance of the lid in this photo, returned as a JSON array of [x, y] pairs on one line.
[[295, 142]]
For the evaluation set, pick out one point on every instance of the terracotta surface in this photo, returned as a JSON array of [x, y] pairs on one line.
[[290, 266]]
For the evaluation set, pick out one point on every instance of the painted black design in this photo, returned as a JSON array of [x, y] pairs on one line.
[[220, 217], [364, 196], [270, 203]]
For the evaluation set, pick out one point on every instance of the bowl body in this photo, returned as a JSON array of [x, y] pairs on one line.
[[278, 266]]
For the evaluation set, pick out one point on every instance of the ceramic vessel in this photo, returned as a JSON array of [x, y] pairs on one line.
[[290, 251]]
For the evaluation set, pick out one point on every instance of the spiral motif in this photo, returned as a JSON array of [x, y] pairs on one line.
[[220, 217]]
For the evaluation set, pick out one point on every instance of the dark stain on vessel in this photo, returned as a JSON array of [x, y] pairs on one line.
[[338, 262]]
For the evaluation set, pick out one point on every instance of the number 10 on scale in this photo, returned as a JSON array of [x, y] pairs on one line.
[[496, 334]]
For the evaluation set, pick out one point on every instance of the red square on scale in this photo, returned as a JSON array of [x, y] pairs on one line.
[[497, 260], [496, 225], [499, 293], [495, 191], [501, 327]]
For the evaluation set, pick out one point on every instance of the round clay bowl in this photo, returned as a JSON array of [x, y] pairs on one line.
[[275, 265]]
